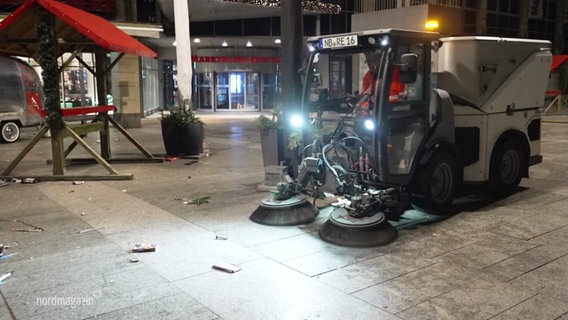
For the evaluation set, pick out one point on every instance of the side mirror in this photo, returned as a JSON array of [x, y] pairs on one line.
[[408, 67]]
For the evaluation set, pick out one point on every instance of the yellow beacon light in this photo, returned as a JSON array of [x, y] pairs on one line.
[[431, 25]]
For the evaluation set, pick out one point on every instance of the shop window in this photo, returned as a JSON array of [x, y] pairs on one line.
[[150, 100], [269, 91], [204, 84]]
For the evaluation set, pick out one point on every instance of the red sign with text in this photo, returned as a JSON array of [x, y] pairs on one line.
[[227, 59]]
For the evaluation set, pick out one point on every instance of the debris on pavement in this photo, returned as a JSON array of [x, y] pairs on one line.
[[221, 237], [171, 159], [133, 260], [4, 182], [78, 182], [33, 228], [91, 229], [5, 276], [144, 248], [6, 256], [30, 180], [227, 267], [197, 201]]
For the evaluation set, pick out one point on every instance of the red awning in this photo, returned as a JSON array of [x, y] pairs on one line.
[[74, 29], [557, 60]]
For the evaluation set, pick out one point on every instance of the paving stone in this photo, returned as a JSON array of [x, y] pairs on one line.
[[538, 307], [533, 226], [183, 250], [86, 301], [333, 258], [491, 250], [416, 287], [177, 307], [264, 290], [550, 279], [475, 300], [367, 273]]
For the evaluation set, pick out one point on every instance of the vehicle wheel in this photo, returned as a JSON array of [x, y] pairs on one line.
[[506, 168], [10, 132], [437, 185]]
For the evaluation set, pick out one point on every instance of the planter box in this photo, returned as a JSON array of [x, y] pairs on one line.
[[183, 141], [271, 150]]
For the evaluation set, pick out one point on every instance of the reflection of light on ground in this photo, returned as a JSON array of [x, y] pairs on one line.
[[413, 218]]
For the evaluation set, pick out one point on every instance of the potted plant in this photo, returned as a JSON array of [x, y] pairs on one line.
[[270, 133], [182, 131]]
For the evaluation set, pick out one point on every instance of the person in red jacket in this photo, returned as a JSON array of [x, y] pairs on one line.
[[370, 78], [397, 88]]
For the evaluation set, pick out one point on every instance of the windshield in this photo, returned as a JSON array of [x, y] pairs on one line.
[[335, 77]]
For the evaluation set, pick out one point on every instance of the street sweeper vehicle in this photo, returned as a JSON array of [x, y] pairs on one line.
[[21, 98], [406, 115]]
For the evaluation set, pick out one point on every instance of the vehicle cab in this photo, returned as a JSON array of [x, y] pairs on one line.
[[380, 79]]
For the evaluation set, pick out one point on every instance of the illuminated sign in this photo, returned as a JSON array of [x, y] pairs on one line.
[[227, 59]]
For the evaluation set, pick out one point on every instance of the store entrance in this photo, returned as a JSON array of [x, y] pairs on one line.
[[238, 91]]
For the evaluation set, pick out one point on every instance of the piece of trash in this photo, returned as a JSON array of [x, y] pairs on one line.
[[30, 180], [144, 248], [221, 237], [4, 182], [200, 200], [6, 276], [83, 214], [133, 260], [34, 228], [91, 229], [78, 182], [227, 267], [123, 190], [171, 159], [6, 256], [191, 162], [2, 248]]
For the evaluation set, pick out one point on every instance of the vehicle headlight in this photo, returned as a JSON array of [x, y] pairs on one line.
[[297, 121], [369, 124]]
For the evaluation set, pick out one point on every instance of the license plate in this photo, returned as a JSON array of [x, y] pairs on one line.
[[338, 42]]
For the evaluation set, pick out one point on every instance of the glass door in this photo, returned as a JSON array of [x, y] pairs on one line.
[[252, 92], [222, 91], [237, 90]]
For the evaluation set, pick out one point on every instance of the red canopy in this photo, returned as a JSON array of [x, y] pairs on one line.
[[557, 60], [74, 29]]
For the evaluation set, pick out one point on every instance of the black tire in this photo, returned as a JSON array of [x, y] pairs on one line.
[[436, 185], [508, 163], [9, 132]]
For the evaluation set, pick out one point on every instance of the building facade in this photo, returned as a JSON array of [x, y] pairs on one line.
[[236, 62], [534, 19]]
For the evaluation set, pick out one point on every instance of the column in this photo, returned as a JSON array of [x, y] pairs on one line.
[[481, 23], [291, 27], [559, 27], [183, 52], [524, 19]]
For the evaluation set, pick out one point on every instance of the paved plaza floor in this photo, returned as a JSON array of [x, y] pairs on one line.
[[70, 244]]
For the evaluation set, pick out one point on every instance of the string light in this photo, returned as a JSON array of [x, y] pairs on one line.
[[307, 5]]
